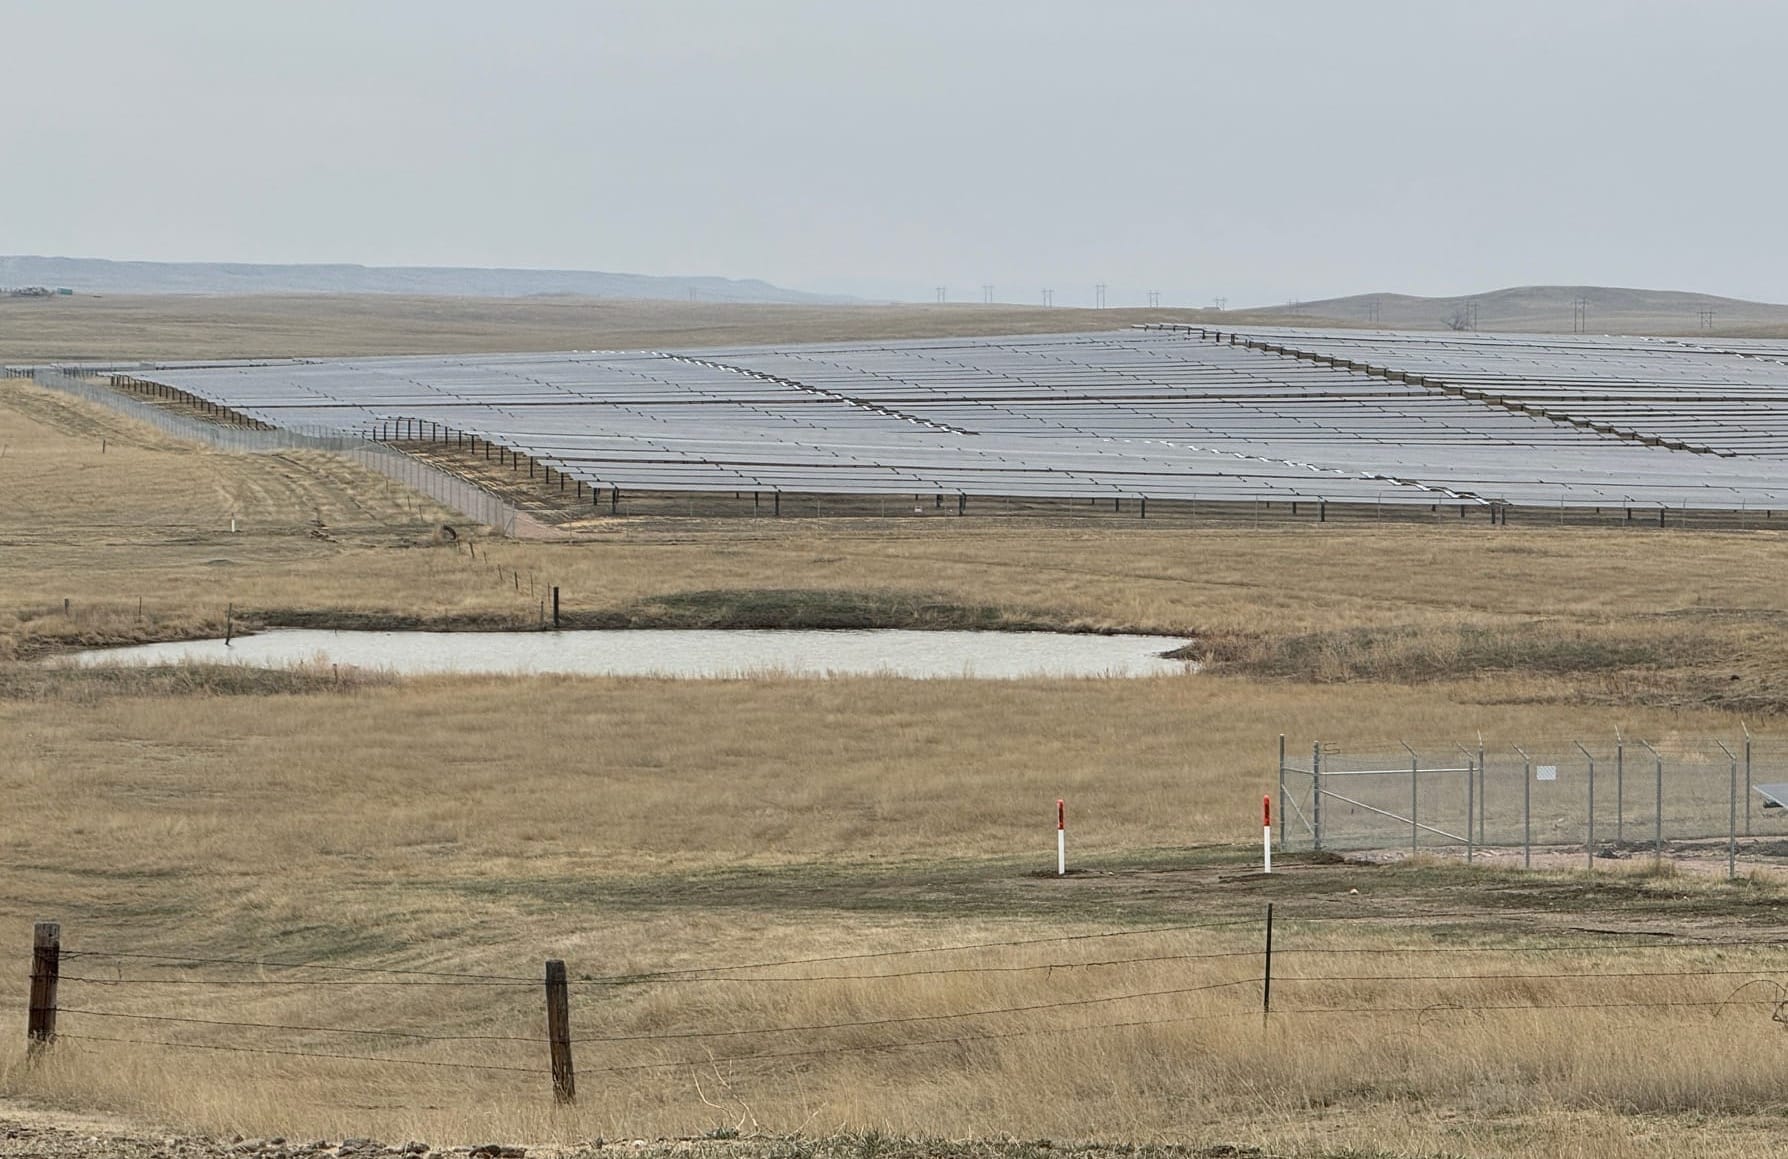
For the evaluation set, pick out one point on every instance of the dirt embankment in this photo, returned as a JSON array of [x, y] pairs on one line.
[[37, 1136]]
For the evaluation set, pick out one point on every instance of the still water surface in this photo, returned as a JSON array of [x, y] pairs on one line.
[[687, 654]]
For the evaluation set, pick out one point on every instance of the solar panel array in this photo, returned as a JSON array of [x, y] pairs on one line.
[[1169, 413], [1727, 396]]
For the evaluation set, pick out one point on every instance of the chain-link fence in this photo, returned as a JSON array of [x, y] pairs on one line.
[[1606, 797], [462, 496]]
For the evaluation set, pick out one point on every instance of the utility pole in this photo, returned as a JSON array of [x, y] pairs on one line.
[[987, 293], [1099, 296], [1471, 315], [1154, 298], [1048, 297], [1580, 315], [1219, 303], [942, 295], [1372, 312], [1707, 317]]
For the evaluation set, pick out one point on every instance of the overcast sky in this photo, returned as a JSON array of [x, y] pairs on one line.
[[1251, 150]]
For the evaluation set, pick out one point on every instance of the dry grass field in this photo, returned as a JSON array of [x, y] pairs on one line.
[[224, 326], [635, 827], [179, 327]]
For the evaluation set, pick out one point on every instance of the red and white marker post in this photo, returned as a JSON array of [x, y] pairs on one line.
[[1061, 837], [1266, 832]]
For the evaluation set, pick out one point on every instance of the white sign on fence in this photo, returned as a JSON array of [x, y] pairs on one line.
[[1545, 772]]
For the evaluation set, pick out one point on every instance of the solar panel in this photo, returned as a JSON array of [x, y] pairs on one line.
[[1163, 411]]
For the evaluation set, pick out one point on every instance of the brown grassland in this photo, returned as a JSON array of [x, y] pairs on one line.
[[205, 326], [634, 827]]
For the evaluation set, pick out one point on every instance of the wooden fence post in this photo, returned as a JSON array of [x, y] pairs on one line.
[[46, 969], [558, 1032]]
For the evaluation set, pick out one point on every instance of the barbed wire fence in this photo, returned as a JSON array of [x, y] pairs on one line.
[[1644, 972], [1608, 798]]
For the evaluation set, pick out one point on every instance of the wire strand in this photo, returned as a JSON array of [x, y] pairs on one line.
[[306, 1054], [1563, 949], [309, 1029], [905, 1018], [916, 1042], [278, 982], [1474, 1007], [265, 964], [1567, 977], [654, 980], [828, 958]]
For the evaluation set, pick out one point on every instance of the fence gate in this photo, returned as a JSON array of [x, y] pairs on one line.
[[1346, 801]]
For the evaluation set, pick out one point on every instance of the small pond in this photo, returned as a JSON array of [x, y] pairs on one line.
[[686, 654]]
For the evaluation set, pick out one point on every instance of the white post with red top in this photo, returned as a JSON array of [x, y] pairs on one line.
[[1266, 831], [1061, 837]]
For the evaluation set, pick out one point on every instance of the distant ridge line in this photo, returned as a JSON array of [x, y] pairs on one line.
[[104, 276]]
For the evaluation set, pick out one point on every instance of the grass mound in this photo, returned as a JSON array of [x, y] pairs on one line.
[[814, 608]]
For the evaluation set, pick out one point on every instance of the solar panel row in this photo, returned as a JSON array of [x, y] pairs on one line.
[[1170, 413], [1729, 396]]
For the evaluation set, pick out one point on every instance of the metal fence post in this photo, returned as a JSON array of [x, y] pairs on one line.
[[1658, 821], [1414, 829], [1620, 796], [1526, 809], [1589, 836], [1747, 729], [1731, 812], [1470, 785], [1316, 796], [1483, 790], [1281, 805]]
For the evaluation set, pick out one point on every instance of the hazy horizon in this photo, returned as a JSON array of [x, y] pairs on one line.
[[1260, 153]]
